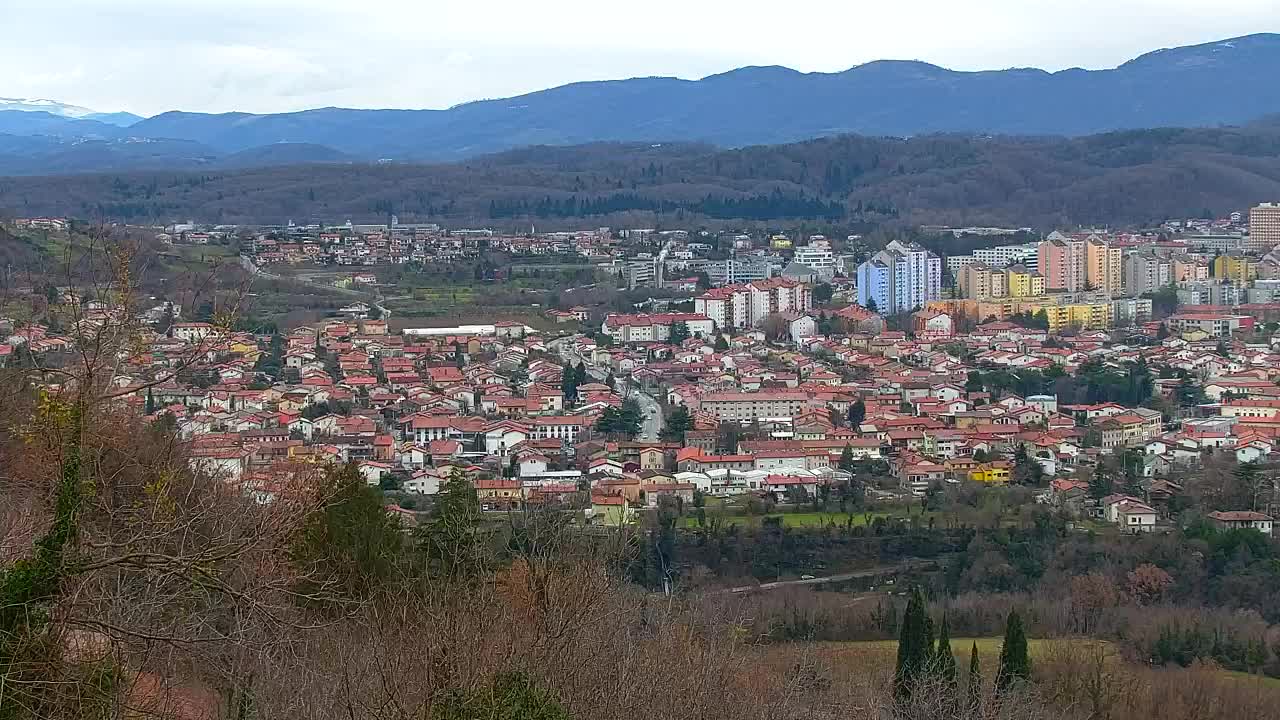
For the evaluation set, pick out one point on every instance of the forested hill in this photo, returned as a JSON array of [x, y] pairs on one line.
[[1115, 178]]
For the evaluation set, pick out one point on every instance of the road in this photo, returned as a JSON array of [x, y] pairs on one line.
[[652, 423], [842, 577], [253, 269]]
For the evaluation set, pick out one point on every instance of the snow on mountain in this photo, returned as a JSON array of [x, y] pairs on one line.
[[50, 106]]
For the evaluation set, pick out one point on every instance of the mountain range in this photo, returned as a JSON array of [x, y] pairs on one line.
[[1214, 84]]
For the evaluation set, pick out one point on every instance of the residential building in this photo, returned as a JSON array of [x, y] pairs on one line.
[[1062, 261], [1004, 255], [901, 278], [1146, 272], [654, 328], [1104, 266], [819, 256], [1264, 227], [1235, 268], [746, 306], [1241, 520], [748, 407]]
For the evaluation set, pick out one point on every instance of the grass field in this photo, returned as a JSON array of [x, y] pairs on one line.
[[810, 519]]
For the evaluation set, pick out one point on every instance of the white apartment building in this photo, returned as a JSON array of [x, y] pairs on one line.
[[746, 306], [654, 328], [819, 256]]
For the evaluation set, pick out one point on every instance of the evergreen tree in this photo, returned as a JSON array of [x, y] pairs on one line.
[[857, 413], [450, 539], [679, 333], [151, 403], [1101, 484], [1015, 663], [945, 661], [846, 458], [915, 647], [975, 682], [721, 345], [678, 423]]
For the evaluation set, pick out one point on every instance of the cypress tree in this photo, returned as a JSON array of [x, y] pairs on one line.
[[944, 660], [151, 403], [975, 681], [915, 646], [1015, 663]]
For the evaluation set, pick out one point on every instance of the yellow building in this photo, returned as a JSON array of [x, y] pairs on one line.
[[1236, 269], [1021, 283], [1085, 316], [1104, 266], [995, 473]]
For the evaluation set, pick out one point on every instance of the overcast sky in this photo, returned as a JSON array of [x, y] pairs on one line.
[[148, 56]]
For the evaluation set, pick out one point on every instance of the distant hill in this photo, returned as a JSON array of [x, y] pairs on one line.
[[1127, 177], [1215, 84]]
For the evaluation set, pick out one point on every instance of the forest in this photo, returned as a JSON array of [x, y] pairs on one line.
[[1129, 178]]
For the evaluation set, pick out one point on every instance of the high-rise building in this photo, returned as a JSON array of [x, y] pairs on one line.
[[1146, 272], [1264, 228], [1235, 268], [900, 278], [1103, 266], [1062, 262]]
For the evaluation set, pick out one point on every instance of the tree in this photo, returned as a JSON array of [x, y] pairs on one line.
[[151, 403], [511, 696], [459, 357], [678, 423], [679, 332], [973, 382], [721, 345], [846, 458], [944, 663], [1148, 583], [704, 281], [975, 682], [353, 545], [857, 413], [1015, 663], [1026, 470], [165, 326], [822, 292], [775, 328], [450, 540], [569, 384], [872, 305], [1101, 483], [915, 649]]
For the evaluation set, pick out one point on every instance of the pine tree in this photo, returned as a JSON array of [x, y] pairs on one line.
[[1015, 664], [975, 681]]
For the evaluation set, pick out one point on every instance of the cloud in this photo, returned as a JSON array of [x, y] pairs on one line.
[[148, 56]]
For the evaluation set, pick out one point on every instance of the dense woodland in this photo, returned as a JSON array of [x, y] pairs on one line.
[[1131, 177]]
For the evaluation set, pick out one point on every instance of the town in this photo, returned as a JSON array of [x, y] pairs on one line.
[[1112, 374]]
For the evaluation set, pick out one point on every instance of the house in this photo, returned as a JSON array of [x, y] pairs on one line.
[[499, 494], [996, 472], [1129, 513], [1241, 520], [610, 511]]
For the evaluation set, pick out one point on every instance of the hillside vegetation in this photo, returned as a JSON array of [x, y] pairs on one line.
[[1129, 177]]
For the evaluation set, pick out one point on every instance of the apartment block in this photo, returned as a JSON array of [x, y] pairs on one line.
[[1264, 228], [654, 328], [746, 306], [749, 407], [901, 278]]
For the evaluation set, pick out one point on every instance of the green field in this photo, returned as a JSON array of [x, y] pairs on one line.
[[807, 519]]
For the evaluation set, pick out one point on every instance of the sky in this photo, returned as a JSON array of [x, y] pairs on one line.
[[149, 56]]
